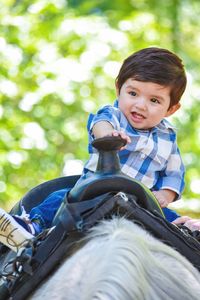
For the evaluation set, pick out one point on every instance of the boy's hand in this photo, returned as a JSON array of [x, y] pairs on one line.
[[123, 135], [192, 224], [164, 197]]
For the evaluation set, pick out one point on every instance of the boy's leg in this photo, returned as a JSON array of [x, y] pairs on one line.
[[12, 234], [15, 231], [45, 212], [170, 214]]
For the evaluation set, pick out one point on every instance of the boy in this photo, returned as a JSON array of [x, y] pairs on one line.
[[149, 87]]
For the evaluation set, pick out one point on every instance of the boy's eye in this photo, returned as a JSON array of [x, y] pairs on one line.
[[154, 100], [132, 93]]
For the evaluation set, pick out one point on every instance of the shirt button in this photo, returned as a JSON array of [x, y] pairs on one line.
[[142, 155]]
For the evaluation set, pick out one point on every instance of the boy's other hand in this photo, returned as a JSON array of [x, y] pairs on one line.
[[192, 224]]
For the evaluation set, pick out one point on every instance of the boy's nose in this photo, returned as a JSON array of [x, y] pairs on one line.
[[141, 103]]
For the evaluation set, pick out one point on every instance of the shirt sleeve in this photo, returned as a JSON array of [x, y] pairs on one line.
[[172, 177], [107, 113]]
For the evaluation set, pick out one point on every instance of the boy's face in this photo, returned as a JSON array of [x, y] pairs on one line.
[[145, 104]]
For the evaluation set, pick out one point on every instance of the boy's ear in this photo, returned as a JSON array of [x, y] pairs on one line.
[[173, 109], [117, 88]]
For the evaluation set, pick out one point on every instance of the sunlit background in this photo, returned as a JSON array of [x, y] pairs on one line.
[[59, 60]]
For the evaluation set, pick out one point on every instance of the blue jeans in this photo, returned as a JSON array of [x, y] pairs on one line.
[[170, 215], [46, 211]]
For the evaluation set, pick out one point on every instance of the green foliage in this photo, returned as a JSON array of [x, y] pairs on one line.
[[59, 60]]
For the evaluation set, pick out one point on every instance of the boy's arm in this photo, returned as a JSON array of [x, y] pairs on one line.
[[104, 128], [165, 197], [101, 129], [170, 183]]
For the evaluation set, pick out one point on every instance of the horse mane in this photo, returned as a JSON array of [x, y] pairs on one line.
[[123, 261]]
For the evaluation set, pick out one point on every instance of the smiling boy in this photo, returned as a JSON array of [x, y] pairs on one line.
[[149, 87]]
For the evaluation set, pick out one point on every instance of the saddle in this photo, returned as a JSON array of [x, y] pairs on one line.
[[109, 192]]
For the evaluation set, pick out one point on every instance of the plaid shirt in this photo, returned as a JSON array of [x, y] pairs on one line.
[[152, 157]]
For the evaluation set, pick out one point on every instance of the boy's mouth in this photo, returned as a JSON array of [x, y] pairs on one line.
[[137, 116]]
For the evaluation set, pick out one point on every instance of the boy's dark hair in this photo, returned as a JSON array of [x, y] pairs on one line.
[[155, 65]]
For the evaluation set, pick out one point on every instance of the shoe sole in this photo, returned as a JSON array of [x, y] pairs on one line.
[[12, 234]]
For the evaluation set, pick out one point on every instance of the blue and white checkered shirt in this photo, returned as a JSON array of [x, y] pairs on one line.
[[152, 157]]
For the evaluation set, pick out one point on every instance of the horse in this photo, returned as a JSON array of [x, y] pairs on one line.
[[121, 260]]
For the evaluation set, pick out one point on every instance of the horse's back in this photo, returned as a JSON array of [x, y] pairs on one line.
[[122, 261]]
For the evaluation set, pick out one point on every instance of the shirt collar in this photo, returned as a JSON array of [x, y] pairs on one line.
[[116, 103], [165, 124]]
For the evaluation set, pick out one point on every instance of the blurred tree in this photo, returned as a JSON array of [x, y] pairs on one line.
[[59, 60]]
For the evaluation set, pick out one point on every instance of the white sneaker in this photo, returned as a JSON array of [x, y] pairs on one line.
[[12, 234]]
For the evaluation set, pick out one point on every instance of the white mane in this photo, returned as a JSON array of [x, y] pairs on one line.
[[122, 261]]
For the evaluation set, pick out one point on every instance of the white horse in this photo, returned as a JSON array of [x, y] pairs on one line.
[[121, 261]]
